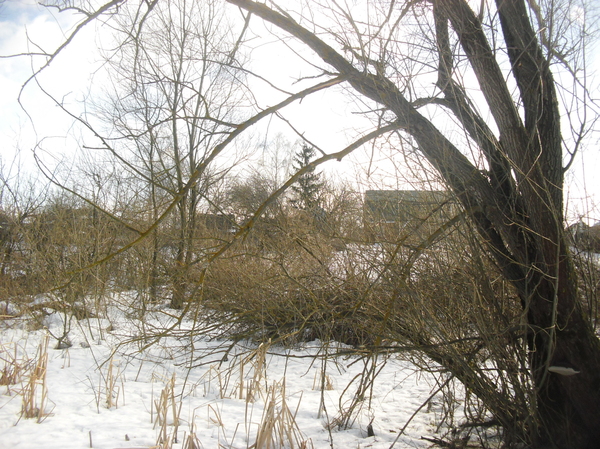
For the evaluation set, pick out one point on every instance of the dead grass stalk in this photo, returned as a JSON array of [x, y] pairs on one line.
[[35, 391]]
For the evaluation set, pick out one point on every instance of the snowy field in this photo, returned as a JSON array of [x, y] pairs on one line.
[[105, 394]]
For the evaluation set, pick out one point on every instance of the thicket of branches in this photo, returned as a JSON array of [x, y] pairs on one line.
[[482, 287]]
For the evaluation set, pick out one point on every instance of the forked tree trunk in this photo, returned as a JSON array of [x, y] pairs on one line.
[[529, 239], [564, 357], [516, 204]]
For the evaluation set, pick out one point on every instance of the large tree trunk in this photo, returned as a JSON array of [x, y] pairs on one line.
[[516, 205], [534, 242]]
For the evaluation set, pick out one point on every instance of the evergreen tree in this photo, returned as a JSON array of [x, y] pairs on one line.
[[307, 191]]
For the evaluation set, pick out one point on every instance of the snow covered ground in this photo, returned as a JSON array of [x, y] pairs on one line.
[[100, 393]]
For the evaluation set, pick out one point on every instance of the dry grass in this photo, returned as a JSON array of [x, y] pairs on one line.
[[35, 391], [278, 427], [215, 378], [322, 381], [214, 416], [111, 388], [12, 369], [167, 403], [191, 441], [244, 380], [258, 363]]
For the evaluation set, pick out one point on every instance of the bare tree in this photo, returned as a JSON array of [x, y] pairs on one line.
[[175, 97], [499, 149], [510, 182]]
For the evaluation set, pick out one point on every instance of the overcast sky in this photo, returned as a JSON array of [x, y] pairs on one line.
[[28, 27], [71, 74], [69, 78]]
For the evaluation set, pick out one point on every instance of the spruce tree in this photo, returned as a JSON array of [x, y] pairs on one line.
[[307, 191]]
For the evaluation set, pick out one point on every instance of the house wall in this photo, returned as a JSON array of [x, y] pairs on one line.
[[390, 215]]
